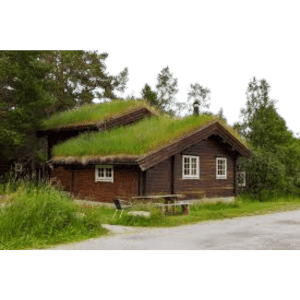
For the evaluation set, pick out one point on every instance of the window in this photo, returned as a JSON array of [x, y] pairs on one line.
[[221, 165], [241, 178], [190, 167], [104, 173]]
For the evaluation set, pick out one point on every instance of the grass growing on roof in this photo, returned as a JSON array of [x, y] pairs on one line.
[[91, 113], [136, 139]]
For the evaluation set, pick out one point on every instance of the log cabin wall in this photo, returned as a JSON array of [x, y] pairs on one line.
[[80, 181], [158, 179], [208, 151]]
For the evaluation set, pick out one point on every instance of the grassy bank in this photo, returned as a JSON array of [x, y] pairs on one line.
[[41, 215], [36, 216]]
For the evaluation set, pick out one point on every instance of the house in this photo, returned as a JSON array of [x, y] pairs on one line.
[[157, 155]]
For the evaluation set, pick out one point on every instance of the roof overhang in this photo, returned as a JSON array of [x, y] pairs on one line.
[[86, 160]]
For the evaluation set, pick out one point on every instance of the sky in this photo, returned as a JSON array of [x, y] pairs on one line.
[[218, 44]]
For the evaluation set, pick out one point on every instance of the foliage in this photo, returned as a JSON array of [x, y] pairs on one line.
[[257, 94], [80, 76], [273, 166], [221, 116], [38, 215], [24, 96], [149, 95], [199, 95], [34, 84], [166, 90]]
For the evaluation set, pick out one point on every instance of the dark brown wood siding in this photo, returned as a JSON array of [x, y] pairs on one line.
[[208, 151], [158, 179], [81, 182]]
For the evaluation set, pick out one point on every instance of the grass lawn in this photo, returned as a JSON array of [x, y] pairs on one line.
[[40, 215]]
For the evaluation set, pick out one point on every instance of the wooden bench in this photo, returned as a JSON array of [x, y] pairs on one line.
[[170, 200]]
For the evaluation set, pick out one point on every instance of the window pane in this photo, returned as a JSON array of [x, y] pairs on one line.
[[100, 172], [108, 172]]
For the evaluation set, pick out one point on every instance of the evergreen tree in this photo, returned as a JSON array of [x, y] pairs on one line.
[[149, 95], [257, 94], [221, 115], [166, 90], [273, 166], [80, 76], [24, 95]]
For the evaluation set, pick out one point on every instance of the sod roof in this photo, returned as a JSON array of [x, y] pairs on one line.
[[91, 114], [134, 141]]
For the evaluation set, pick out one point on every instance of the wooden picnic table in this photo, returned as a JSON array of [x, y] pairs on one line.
[[169, 200]]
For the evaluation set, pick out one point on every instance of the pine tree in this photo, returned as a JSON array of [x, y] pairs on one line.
[[80, 76], [166, 90], [149, 95], [274, 164], [24, 96], [221, 115], [257, 94]]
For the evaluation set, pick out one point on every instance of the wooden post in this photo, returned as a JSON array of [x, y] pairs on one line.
[[144, 183], [172, 174]]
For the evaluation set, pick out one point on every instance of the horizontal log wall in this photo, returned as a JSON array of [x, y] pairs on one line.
[[80, 181], [158, 179], [208, 151]]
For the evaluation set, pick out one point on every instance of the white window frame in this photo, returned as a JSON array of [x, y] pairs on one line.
[[243, 176], [223, 176], [104, 178], [189, 176]]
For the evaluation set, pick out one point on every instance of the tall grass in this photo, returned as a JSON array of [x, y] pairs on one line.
[[90, 113], [38, 215]]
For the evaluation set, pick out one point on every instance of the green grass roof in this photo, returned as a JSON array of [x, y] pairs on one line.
[[136, 139], [94, 113]]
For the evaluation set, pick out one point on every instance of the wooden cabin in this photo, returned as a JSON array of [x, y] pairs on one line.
[[202, 159]]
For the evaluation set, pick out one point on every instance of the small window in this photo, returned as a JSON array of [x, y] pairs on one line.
[[241, 178], [221, 165], [104, 173], [190, 167]]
